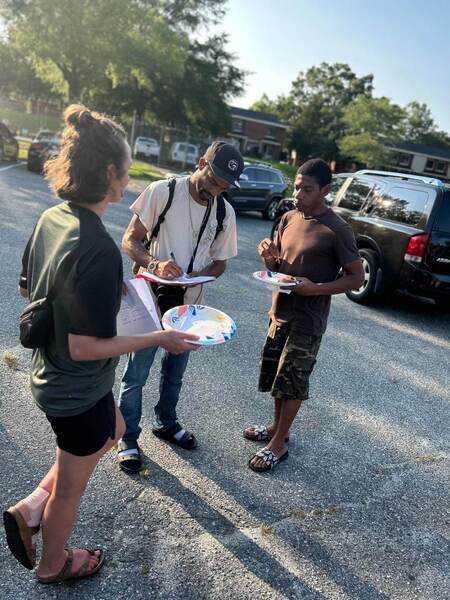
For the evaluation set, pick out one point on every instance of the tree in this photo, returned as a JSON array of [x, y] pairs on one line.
[[371, 124], [144, 59], [18, 76], [421, 128], [315, 105]]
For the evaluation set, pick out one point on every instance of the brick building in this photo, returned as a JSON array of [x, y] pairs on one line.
[[258, 134]]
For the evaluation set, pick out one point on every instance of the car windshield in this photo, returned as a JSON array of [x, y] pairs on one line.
[[45, 136], [146, 140]]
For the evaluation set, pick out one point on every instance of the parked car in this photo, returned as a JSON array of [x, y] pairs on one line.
[[184, 153], [146, 147], [45, 145], [9, 148], [261, 189], [402, 228], [287, 204]]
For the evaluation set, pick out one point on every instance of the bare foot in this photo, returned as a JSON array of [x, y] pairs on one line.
[[277, 450], [79, 558]]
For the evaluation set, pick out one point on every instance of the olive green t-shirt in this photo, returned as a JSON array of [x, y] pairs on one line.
[[316, 248], [87, 302]]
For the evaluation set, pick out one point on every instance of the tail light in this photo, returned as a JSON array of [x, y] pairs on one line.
[[416, 249]]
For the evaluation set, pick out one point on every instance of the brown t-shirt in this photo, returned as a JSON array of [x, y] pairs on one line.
[[316, 248]]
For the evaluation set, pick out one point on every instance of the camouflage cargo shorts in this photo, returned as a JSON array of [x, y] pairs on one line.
[[287, 361]]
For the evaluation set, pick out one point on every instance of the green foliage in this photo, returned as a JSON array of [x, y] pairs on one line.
[[140, 56], [370, 125], [421, 128]]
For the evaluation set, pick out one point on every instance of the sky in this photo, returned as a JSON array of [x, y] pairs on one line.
[[404, 44]]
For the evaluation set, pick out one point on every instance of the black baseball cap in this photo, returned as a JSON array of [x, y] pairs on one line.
[[226, 161]]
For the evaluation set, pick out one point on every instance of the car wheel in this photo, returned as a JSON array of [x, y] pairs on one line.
[[370, 266], [270, 212], [274, 231]]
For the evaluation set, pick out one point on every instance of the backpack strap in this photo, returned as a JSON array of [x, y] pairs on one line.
[[154, 233], [220, 214]]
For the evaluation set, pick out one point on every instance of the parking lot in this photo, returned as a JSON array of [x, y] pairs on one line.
[[359, 511]]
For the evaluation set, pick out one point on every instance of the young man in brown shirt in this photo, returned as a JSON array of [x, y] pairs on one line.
[[312, 244]]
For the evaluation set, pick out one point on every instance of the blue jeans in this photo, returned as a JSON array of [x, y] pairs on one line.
[[134, 378]]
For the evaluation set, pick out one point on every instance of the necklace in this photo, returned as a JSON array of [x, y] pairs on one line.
[[195, 232]]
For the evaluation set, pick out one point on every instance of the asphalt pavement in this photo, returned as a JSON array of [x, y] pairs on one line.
[[359, 511]]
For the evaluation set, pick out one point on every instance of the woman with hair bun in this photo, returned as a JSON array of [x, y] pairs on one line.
[[73, 375]]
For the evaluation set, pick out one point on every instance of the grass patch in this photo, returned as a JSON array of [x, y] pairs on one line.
[[143, 170], [17, 121]]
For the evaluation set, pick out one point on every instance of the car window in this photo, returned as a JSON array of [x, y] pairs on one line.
[[402, 205], [355, 195], [273, 177], [251, 174], [334, 187], [443, 218], [192, 149], [261, 175], [5, 132], [45, 136]]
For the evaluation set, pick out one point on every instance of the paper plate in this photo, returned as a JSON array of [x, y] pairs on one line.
[[212, 325], [273, 278]]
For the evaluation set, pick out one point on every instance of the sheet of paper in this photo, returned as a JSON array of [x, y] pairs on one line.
[[183, 280], [137, 314]]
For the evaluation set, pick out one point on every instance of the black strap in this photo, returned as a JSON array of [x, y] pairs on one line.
[[200, 233], [220, 214], [162, 216]]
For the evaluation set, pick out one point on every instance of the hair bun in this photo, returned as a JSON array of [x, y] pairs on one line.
[[78, 116]]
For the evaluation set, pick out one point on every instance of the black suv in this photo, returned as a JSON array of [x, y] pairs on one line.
[[9, 148], [262, 188], [402, 228]]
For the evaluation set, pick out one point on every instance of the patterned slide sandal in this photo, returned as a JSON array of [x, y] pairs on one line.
[[259, 433], [270, 460]]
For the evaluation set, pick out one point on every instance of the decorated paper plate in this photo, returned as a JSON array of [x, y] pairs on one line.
[[276, 279], [212, 325]]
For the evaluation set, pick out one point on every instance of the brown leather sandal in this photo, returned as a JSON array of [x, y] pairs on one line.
[[19, 537], [84, 571]]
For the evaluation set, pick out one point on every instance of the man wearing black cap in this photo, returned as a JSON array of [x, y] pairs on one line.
[[197, 237]]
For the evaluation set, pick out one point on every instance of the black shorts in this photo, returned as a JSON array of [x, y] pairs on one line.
[[88, 432]]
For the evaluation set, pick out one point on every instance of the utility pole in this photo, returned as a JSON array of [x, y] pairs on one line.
[[133, 130]]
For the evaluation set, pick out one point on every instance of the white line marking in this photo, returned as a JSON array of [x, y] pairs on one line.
[[12, 166]]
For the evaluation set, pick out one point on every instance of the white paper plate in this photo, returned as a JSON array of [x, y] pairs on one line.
[[213, 326], [273, 278]]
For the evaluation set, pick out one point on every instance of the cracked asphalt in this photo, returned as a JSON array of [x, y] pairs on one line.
[[359, 511]]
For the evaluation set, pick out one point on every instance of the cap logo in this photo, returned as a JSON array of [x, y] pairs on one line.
[[233, 165]]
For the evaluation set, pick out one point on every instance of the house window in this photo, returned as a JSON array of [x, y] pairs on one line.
[[401, 159], [238, 126], [271, 133], [436, 166]]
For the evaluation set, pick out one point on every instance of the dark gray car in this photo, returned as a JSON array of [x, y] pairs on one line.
[[262, 188]]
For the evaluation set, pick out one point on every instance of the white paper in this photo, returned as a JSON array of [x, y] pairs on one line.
[[183, 280], [137, 314]]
